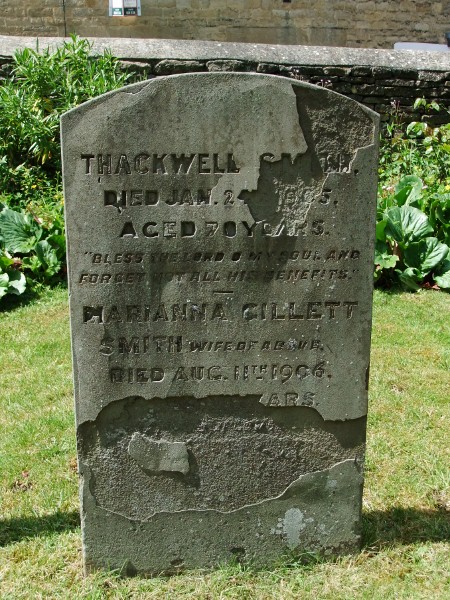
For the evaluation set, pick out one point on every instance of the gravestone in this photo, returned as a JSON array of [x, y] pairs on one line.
[[220, 247]]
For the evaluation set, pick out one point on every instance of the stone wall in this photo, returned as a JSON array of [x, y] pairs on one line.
[[366, 23], [384, 80]]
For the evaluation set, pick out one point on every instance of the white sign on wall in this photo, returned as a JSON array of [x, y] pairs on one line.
[[124, 8]]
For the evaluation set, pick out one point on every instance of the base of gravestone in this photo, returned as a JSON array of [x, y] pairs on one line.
[[318, 514]]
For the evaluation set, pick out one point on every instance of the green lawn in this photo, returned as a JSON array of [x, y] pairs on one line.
[[406, 502]]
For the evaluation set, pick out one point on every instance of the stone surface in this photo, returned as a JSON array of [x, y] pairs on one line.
[[318, 511], [369, 24], [159, 456], [376, 78], [220, 244], [187, 50]]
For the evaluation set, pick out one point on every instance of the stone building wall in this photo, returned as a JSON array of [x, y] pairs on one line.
[[353, 23], [384, 80]]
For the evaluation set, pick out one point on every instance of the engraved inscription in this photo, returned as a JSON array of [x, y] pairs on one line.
[[214, 242], [153, 163], [202, 312], [168, 343]]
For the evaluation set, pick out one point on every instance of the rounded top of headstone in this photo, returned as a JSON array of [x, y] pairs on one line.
[[213, 207]]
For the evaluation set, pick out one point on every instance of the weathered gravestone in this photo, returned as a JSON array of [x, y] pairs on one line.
[[220, 243]]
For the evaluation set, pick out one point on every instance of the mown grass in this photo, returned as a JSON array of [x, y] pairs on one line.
[[406, 501]]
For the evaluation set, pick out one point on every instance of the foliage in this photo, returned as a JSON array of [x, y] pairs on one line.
[[42, 86], [416, 148], [413, 217], [12, 281], [30, 247]]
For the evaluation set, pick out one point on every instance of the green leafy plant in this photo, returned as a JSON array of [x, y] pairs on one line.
[[439, 216], [12, 281], [406, 249], [43, 85], [31, 249], [416, 148], [413, 216]]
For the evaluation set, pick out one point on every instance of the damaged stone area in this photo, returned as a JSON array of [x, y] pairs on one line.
[[319, 513], [198, 454]]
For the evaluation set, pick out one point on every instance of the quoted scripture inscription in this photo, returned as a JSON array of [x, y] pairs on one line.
[[220, 240]]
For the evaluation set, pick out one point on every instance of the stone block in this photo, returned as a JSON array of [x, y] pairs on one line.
[[227, 65], [361, 71], [220, 231], [432, 76], [394, 73], [169, 67], [340, 71]]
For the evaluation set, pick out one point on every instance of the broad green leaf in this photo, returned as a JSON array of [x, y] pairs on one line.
[[406, 224], [443, 280], [380, 227], [410, 278], [19, 232], [402, 196], [5, 260], [425, 255], [17, 283], [440, 209], [4, 284], [408, 190], [416, 128], [383, 256], [48, 257], [442, 273], [32, 263], [419, 102], [386, 261], [58, 241]]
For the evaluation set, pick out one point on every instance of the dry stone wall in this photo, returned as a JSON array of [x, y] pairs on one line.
[[365, 23], [383, 80]]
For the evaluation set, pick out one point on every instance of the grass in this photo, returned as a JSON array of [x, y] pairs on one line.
[[406, 501]]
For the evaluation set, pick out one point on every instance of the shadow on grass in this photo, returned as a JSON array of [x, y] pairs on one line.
[[10, 302], [390, 289], [405, 525], [14, 530], [380, 528]]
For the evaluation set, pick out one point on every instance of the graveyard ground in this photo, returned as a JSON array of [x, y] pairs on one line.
[[406, 502]]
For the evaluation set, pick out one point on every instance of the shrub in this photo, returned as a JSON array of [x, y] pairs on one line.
[[413, 218], [42, 86]]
